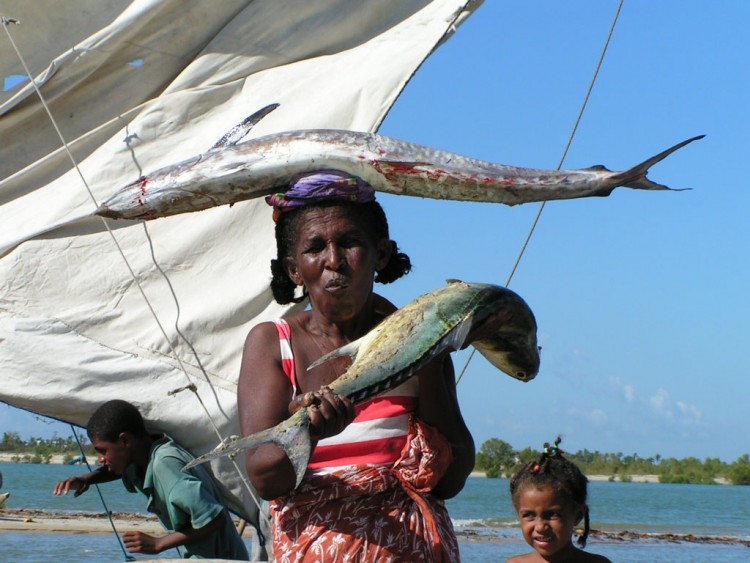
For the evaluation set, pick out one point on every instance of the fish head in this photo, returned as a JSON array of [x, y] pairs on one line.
[[504, 332], [519, 359]]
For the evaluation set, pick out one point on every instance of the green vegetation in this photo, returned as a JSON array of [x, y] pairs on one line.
[[498, 459], [41, 450]]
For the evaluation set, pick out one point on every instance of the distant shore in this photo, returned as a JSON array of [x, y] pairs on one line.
[[93, 461], [618, 478], [57, 459], [633, 478]]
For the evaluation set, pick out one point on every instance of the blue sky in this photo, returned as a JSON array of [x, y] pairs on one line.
[[641, 297]]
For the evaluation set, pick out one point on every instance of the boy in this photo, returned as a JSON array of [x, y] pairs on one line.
[[186, 502]]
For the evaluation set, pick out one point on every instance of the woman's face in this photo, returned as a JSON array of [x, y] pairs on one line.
[[335, 259]]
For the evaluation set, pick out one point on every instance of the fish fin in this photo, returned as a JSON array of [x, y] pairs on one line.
[[350, 349], [598, 168], [636, 177], [450, 281], [456, 338], [292, 435], [238, 132]]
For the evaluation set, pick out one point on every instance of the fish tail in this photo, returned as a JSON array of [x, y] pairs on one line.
[[636, 177], [294, 439], [292, 435]]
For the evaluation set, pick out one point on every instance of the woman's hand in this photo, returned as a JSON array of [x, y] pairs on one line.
[[329, 413]]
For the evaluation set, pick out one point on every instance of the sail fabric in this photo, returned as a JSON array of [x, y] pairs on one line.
[[134, 86]]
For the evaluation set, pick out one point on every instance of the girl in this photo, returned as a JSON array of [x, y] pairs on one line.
[[549, 496]]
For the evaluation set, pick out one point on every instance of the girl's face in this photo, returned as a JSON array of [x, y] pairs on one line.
[[335, 260], [548, 519]]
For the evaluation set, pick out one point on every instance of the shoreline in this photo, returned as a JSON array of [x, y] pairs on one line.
[[40, 521]]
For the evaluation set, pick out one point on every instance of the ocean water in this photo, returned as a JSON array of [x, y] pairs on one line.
[[482, 514]]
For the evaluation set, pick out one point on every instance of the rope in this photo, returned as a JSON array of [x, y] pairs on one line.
[[559, 166], [105, 222], [101, 497]]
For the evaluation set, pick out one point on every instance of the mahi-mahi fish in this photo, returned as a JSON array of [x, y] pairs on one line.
[[402, 344], [232, 171]]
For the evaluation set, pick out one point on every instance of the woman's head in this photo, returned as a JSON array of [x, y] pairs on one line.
[[316, 198], [559, 475]]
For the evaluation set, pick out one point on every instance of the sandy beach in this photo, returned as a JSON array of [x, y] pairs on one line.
[[38, 521], [87, 523], [56, 459], [24, 520]]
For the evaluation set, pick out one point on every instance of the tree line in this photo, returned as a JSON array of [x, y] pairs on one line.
[[41, 450], [497, 458]]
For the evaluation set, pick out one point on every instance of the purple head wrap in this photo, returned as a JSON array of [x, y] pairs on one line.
[[320, 186]]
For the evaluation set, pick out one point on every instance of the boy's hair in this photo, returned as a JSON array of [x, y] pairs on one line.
[[114, 417], [370, 215], [562, 475]]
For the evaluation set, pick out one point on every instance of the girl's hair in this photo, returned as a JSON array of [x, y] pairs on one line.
[[114, 417], [563, 476], [370, 215]]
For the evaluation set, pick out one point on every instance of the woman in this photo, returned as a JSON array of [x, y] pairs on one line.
[[374, 488]]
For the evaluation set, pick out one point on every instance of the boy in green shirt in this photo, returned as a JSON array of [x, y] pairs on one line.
[[187, 503]]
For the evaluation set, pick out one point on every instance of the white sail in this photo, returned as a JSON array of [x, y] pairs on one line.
[[134, 86]]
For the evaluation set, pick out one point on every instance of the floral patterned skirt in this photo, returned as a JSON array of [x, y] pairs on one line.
[[371, 513]]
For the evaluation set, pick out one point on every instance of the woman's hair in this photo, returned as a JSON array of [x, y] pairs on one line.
[[554, 471], [113, 418], [370, 215]]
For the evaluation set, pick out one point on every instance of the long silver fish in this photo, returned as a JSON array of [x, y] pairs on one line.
[[402, 344], [233, 171]]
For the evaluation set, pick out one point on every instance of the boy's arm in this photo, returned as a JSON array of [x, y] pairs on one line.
[[138, 542], [83, 482]]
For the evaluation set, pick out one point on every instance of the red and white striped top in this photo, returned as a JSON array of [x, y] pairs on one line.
[[378, 433]]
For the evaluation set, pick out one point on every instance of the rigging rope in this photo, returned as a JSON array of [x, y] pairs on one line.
[[559, 166], [6, 22]]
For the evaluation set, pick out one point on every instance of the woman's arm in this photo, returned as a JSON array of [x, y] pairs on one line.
[[438, 407], [264, 394]]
